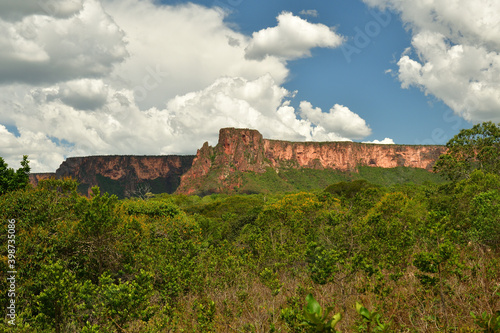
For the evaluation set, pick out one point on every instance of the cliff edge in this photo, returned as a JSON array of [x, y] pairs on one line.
[[239, 154], [123, 175], [219, 168]]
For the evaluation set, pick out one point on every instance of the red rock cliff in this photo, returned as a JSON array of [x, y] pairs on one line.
[[122, 174], [36, 177], [246, 150]]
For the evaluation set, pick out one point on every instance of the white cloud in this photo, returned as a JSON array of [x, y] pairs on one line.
[[179, 49], [44, 154], [309, 12], [292, 38], [386, 141], [85, 94], [133, 77], [457, 53], [41, 48], [16, 10], [119, 126], [339, 120]]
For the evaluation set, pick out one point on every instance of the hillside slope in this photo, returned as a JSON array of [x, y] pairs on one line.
[[242, 154]]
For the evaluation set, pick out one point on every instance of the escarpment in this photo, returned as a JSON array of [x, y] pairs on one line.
[[222, 169], [245, 150], [124, 175]]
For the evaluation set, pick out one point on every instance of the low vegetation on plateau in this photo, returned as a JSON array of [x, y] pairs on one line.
[[353, 257]]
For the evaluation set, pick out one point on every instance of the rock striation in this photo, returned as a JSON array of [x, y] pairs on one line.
[[219, 169], [123, 175], [245, 150]]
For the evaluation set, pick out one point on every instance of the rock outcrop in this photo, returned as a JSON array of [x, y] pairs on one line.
[[124, 175], [36, 177], [244, 150], [219, 168]]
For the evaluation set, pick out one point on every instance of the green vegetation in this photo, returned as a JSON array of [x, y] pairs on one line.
[[358, 256], [471, 149], [293, 180], [119, 187], [285, 180], [10, 179]]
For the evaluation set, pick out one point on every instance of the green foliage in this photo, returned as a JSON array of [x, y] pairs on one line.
[[270, 279], [10, 179], [485, 222], [317, 319], [66, 186], [388, 230], [111, 186], [349, 189], [322, 263], [293, 179], [473, 209], [488, 322], [284, 227], [471, 149], [426, 255], [96, 233], [399, 175], [151, 208], [58, 300], [122, 301], [371, 320], [205, 315]]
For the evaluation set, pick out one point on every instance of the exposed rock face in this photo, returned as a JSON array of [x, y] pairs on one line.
[[219, 168], [245, 150], [237, 150], [124, 174], [36, 177], [346, 156]]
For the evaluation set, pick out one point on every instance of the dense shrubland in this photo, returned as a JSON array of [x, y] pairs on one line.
[[355, 257]]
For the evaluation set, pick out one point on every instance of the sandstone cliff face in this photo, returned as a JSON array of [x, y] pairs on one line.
[[346, 156], [220, 168], [123, 174], [237, 150], [243, 150], [36, 177]]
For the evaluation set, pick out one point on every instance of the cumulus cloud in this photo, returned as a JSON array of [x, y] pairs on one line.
[[85, 94], [339, 120], [44, 154], [454, 57], [181, 48], [119, 126], [135, 77], [47, 49], [386, 141], [15, 10], [292, 38]]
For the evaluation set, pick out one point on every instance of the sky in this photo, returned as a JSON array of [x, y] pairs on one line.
[[145, 77]]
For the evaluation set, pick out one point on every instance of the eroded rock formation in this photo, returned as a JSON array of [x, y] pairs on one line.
[[124, 175], [246, 150], [219, 168]]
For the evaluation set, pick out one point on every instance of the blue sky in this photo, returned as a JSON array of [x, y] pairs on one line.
[[88, 77], [357, 80]]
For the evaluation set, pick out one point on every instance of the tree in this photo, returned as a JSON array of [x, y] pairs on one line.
[[471, 149], [11, 180], [99, 218]]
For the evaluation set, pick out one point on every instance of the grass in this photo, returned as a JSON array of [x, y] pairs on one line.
[[293, 180], [283, 180]]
